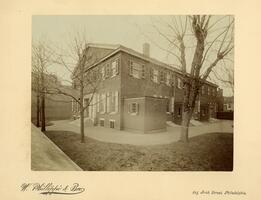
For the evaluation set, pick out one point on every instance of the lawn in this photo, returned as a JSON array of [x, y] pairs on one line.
[[209, 152]]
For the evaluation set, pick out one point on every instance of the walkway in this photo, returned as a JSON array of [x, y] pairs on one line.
[[124, 137], [46, 156]]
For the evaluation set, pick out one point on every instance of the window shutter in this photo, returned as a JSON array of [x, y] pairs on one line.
[[98, 102], [151, 74], [116, 101], [117, 66], [107, 102], [130, 68], [143, 71], [137, 108]]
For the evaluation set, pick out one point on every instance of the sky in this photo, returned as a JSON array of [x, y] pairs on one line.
[[130, 31]]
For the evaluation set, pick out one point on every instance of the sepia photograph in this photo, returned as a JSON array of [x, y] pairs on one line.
[[132, 93]]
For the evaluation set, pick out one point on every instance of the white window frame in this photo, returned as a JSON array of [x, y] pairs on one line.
[[209, 91], [102, 119], [155, 75], [203, 90], [112, 120], [136, 69], [130, 108]]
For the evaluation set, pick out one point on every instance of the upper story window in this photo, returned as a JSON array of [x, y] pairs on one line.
[[155, 76], [162, 77], [179, 83], [209, 91], [214, 91], [115, 67], [203, 90], [136, 70]]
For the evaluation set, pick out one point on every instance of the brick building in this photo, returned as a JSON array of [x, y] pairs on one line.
[[139, 93]]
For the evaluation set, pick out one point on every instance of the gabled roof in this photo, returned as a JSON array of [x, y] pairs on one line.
[[122, 48], [117, 48], [104, 46]]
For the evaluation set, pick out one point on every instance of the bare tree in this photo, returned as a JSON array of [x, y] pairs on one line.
[[203, 39], [77, 62], [41, 60]]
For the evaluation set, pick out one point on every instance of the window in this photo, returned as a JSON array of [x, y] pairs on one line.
[[112, 123], [133, 108], [214, 92], [203, 90], [136, 70], [162, 76], [209, 91], [114, 102], [155, 75], [179, 83], [115, 67], [168, 79], [143, 71], [101, 122], [168, 105]]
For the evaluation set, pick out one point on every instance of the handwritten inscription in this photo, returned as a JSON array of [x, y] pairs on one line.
[[213, 192], [51, 188]]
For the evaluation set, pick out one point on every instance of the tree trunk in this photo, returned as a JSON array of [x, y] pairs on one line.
[[82, 64], [38, 110], [191, 92], [186, 116], [43, 113], [82, 116]]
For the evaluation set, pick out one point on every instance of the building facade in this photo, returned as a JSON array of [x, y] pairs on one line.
[[138, 93]]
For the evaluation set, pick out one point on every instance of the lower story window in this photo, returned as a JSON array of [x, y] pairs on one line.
[[101, 122], [179, 111], [112, 123], [133, 108]]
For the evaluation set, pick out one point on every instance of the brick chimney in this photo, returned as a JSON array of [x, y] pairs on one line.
[[146, 49]]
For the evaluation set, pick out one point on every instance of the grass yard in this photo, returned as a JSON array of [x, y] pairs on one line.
[[209, 152]]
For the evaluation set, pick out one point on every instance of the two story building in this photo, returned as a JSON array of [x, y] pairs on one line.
[[138, 93]]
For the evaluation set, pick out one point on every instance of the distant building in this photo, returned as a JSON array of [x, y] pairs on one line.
[[139, 93], [57, 107], [229, 104]]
